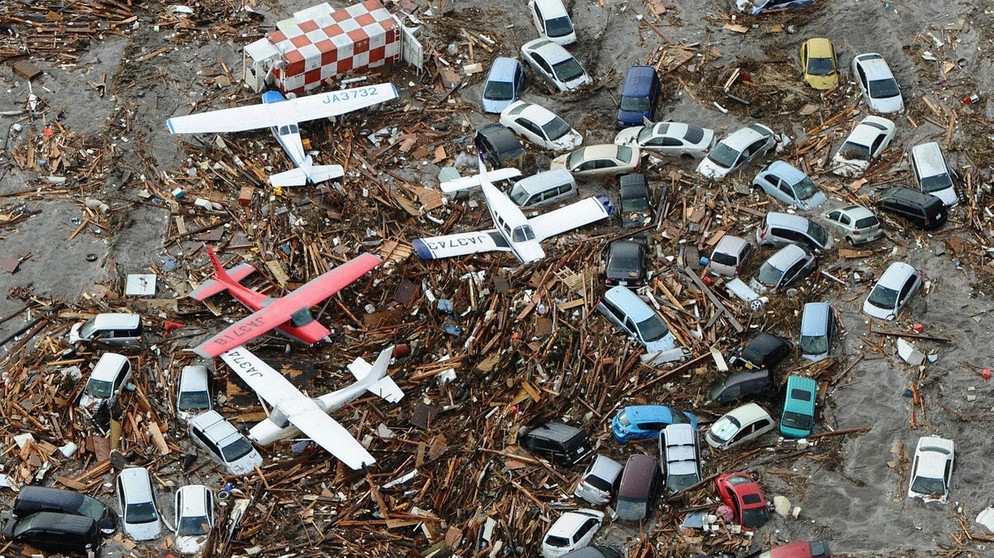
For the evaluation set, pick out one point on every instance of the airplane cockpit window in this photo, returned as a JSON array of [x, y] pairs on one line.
[[289, 129], [301, 317], [522, 233], [293, 129]]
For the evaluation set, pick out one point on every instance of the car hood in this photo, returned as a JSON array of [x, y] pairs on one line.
[[947, 195], [190, 544], [814, 201], [559, 162], [849, 168], [887, 106], [496, 106], [823, 83], [628, 118], [710, 169], [628, 136], [665, 343], [571, 140]]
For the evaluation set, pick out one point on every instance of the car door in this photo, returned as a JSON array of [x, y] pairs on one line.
[[585, 533], [804, 57], [531, 130], [629, 326], [543, 67], [861, 77], [909, 284], [787, 191]]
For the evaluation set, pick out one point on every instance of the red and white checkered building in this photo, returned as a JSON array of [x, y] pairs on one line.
[[320, 42]]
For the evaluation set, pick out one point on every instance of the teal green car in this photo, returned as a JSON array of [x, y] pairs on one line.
[[798, 418]]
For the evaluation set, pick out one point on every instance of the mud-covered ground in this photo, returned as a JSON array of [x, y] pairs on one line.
[[107, 101]]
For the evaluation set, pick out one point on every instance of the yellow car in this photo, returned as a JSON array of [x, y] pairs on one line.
[[819, 63]]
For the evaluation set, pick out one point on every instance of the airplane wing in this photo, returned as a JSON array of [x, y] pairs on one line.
[[461, 244], [572, 216], [298, 408], [290, 111], [280, 310], [467, 182]]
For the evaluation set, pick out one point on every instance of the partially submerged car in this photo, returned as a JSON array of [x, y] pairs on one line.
[[600, 481], [680, 455], [556, 441], [857, 224], [636, 206], [729, 256], [932, 469], [600, 160], [863, 145], [736, 150], [555, 64], [817, 329], [876, 81], [669, 138], [785, 267], [117, 329], [624, 264], [194, 509], [497, 144], [923, 210], [552, 21], [932, 173], [739, 425], [893, 291], [504, 84], [740, 492], [798, 417], [756, 7], [637, 319], [644, 422], [573, 530], [790, 185], [639, 95], [108, 379], [780, 229], [819, 64], [758, 383], [540, 126], [764, 350]]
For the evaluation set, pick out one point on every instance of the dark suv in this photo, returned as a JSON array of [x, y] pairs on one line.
[[743, 385], [496, 144], [636, 205], [924, 210], [556, 441], [765, 350], [55, 532]]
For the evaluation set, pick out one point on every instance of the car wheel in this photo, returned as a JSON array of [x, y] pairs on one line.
[[851, 242]]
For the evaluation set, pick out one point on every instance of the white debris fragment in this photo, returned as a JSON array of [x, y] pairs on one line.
[[909, 353], [781, 505]]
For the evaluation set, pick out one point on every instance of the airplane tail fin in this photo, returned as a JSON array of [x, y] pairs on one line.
[[384, 386], [222, 277], [306, 172]]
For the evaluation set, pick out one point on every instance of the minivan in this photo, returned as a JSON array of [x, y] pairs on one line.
[[553, 21], [923, 210], [680, 452], [817, 326], [931, 172], [780, 229], [224, 443], [34, 499], [798, 417], [636, 318], [109, 376], [117, 329], [193, 396], [556, 441], [729, 255], [544, 188], [639, 485], [639, 96], [496, 144], [55, 532], [742, 385]]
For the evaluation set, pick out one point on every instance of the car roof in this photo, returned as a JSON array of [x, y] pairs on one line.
[[814, 317], [553, 52], [780, 219], [786, 256], [895, 275], [749, 413], [911, 195], [503, 69], [801, 382], [819, 47], [534, 112], [856, 212], [929, 158], [108, 366], [742, 137], [214, 426], [195, 500], [678, 434], [639, 470], [786, 171], [605, 467], [626, 248], [642, 412], [541, 181], [637, 79], [765, 342], [554, 431], [570, 521], [115, 320], [137, 484], [603, 151], [869, 128], [193, 378], [551, 8], [731, 244], [629, 303], [874, 65]]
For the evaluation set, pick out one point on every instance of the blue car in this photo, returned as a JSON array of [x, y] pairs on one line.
[[503, 85], [639, 96], [645, 422]]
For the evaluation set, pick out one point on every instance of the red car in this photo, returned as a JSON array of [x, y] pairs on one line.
[[801, 549], [741, 493]]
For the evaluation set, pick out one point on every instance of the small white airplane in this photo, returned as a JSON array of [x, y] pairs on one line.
[[513, 231], [282, 116], [293, 412]]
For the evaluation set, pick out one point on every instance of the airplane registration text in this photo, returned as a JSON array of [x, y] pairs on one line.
[[456, 242], [349, 94]]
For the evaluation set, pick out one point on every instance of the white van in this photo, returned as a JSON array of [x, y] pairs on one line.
[[544, 188], [109, 376], [931, 172]]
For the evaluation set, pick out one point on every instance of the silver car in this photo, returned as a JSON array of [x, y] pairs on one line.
[[788, 265], [790, 185], [854, 222], [555, 64], [600, 481]]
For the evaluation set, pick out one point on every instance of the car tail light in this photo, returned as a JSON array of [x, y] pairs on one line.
[[762, 235], [927, 221], [855, 232], [736, 270]]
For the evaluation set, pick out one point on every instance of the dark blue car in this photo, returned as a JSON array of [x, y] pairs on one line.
[[639, 96], [645, 422]]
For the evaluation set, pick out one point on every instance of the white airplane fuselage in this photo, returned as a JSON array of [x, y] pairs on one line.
[[512, 224], [288, 135]]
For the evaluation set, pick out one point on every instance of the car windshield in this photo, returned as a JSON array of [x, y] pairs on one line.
[[86, 330], [635, 104], [568, 70], [634, 204], [851, 150], [498, 91], [141, 513], [630, 508], [883, 297], [92, 508], [754, 517], [935, 183], [818, 233], [553, 540], [648, 132], [725, 428], [193, 526], [556, 128], [791, 419], [884, 88], [194, 400], [558, 27], [821, 66], [653, 328], [518, 195], [575, 158], [805, 189], [769, 275], [679, 482], [928, 485], [814, 344], [236, 450], [724, 156], [99, 388]]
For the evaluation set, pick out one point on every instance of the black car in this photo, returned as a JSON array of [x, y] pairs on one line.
[[765, 350], [55, 532], [924, 210], [743, 385], [34, 499], [556, 441], [636, 206], [624, 264], [496, 144]]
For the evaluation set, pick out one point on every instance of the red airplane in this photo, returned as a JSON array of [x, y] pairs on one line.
[[291, 313]]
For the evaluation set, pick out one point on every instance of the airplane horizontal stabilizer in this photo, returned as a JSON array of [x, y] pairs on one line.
[[288, 179], [383, 386], [467, 182], [321, 173], [388, 389], [211, 287]]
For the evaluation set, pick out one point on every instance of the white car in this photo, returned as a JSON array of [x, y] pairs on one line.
[[932, 469], [740, 425], [193, 395], [108, 379], [876, 81], [224, 443], [737, 149], [893, 291], [600, 481], [194, 517], [555, 64], [139, 512], [552, 21], [540, 126], [669, 138], [599, 160], [571, 531], [865, 143]]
